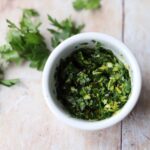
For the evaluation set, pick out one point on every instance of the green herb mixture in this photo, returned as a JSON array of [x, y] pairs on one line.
[[92, 84]]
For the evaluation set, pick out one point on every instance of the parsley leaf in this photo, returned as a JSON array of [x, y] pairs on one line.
[[27, 41], [24, 43], [86, 4], [62, 30], [8, 54], [9, 83]]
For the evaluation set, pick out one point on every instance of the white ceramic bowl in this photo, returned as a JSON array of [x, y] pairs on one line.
[[67, 47]]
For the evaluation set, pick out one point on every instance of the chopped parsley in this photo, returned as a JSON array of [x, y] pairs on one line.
[[92, 84]]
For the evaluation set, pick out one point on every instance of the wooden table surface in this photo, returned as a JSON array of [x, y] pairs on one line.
[[25, 120]]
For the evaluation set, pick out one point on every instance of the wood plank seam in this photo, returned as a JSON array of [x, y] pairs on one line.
[[123, 30]]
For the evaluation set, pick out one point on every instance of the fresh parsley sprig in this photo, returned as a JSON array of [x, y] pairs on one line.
[[26, 43], [27, 40], [62, 30]]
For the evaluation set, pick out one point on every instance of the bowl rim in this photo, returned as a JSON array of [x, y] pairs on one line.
[[92, 125]]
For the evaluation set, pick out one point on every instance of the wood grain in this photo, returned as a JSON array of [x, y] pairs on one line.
[[136, 128], [26, 122]]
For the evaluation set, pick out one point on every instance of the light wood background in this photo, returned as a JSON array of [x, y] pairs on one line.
[[25, 120]]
